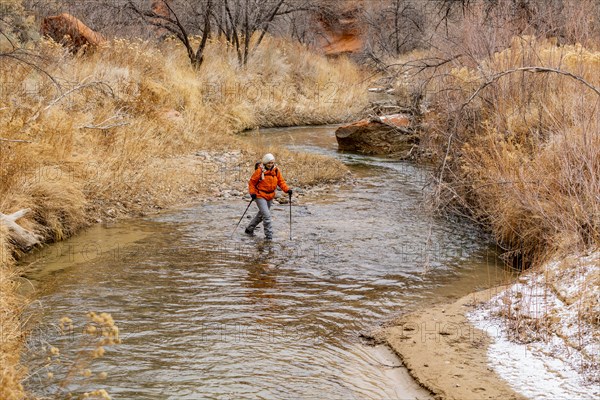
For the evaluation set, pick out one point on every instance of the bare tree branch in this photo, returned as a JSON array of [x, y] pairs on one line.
[[15, 140], [19, 55], [105, 127], [175, 23], [497, 76], [266, 23], [81, 86]]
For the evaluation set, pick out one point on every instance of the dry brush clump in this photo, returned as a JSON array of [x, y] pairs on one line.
[[103, 134], [516, 138], [513, 125], [517, 142], [90, 141], [64, 357], [11, 306]]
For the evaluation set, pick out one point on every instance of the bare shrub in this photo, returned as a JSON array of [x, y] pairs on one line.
[[515, 120], [526, 163]]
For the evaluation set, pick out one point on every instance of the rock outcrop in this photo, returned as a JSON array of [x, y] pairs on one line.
[[70, 32], [159, 7], [390, 134], [341, 29]]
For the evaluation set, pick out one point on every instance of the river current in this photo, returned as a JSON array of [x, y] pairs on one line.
[[205, 315]]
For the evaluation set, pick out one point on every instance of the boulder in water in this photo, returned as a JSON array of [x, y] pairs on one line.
[[391, 134]]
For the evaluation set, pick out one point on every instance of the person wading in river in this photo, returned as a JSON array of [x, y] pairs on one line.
[[262, 185]]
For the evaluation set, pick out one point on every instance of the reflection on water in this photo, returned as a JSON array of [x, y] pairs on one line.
[[206, 316]]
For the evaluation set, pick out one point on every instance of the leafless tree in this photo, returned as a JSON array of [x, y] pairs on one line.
[[395, 26], [300, 27], [239, 20], [243, 23], [548, 18], [181, 18]]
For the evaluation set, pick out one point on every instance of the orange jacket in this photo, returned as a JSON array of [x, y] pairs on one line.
[[265, 188]]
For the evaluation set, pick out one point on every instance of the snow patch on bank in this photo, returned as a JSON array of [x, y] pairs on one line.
[[545, 330]]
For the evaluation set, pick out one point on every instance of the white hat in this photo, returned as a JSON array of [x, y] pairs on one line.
[[268, 157]]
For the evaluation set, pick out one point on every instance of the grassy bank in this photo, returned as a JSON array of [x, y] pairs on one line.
[[516, 138], [515, 134], [111, 132]]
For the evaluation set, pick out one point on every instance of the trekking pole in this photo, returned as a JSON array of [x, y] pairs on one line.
[[238, 224], [290, 216]]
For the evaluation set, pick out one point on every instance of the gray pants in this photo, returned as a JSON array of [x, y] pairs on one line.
[[264, 216]]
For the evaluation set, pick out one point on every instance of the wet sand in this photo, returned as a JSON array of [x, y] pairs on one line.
[[445, 353]]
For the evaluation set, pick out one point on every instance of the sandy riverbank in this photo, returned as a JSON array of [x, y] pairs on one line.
[[445, 353], [489, 346]]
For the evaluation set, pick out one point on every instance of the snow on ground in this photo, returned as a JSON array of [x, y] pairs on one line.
[[545, 330]]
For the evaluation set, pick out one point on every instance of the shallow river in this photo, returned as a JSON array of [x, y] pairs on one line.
[[202, 315]]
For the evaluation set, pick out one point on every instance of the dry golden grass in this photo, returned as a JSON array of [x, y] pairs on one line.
[[518, 149], [517, 137], [528, 163], [128, 110], [130, 104], [11, 305]]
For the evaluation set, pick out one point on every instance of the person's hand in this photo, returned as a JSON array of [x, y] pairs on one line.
[[290, 192], [253, 196]]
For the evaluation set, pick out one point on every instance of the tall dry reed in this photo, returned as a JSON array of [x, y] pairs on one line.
[[513, 124], [516, 138], [522, 155]]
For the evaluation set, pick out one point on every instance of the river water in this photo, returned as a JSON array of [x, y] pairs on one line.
[[202, 315]]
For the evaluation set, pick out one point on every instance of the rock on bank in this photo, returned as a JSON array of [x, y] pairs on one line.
[[390, 134]]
